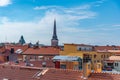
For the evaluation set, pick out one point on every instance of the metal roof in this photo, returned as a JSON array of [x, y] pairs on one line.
[[66, 58]]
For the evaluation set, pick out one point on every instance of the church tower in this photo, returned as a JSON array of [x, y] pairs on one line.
[[22, 41], [54, 40]]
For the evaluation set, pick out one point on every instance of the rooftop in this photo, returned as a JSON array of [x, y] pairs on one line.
[[66, 58], [43, 51], [114, 58], [15, 72]]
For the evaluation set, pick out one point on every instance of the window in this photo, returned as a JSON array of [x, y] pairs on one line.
[[97, 60], [95, 56], [116, 64], [101, 56], [30, 57], [98, 66], [79, 49], [104, 56], [84, 49], [88, 66], [75, 67], [94, 61], [63, 66]]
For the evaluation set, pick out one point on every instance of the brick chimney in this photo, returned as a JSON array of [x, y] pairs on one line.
[[98, 67], [86, 67], [86, 70]]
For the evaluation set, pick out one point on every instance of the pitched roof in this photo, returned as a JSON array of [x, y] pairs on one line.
[[66, 74], [106, 48], [16, 47], [2, 49], [17, 72], [14, 72], [78, 44], [104, 76], [43, 51], [58, 74], [49, 63]]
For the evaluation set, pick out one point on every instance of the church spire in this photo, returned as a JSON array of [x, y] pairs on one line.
[[54, 41], [54, 31]]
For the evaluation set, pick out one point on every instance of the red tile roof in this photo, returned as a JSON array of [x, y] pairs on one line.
[[104, 76], [2, 58], [2, 49], [16, 47], [43, 51], [106, 48], [35, 73], [58, 74], [49, 63], [17, 72], [77, 44], [61, 74]]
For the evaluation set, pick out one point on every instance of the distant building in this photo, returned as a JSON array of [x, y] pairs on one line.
[[22, 41], [113, 62], [10, 52], [54, 40], [96, 54], [37, 53], [68, 62]]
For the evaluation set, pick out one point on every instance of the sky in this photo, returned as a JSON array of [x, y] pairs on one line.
[[95, 22]]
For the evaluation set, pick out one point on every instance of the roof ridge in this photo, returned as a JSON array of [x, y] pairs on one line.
[[20, 67]]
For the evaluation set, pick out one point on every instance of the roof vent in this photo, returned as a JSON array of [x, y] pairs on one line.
[[43, 64]]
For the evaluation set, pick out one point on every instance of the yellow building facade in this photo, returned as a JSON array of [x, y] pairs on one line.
[[82, 51], [70, 64]]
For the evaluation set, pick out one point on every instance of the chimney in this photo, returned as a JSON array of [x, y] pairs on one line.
[[36, 45], [86, 70], [86, 67], [12, 50], [98, 67]]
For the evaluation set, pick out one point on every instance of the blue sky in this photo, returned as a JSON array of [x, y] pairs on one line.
[[78, 21]]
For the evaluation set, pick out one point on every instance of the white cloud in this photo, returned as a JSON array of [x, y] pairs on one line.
[[40, 8], [98, 3], [76, 13], [40, 30], [68, 25], [4, 20], [61, 7], [5, 2]]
